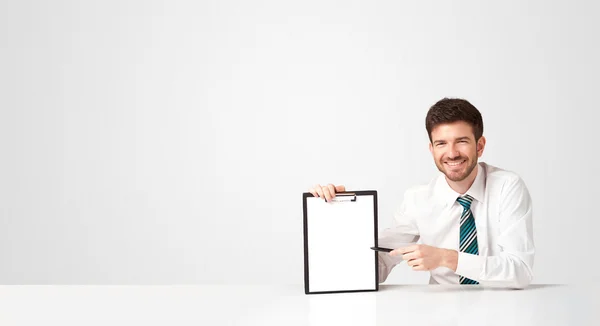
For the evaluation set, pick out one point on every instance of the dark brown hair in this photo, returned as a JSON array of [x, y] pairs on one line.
[[448, 110]]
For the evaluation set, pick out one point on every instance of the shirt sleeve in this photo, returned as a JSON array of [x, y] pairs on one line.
[[513, 267], [403, 232]]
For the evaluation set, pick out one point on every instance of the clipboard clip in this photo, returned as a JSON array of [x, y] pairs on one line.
[[344, 196]]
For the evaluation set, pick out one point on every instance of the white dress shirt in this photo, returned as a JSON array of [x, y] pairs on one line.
[[502, 211]]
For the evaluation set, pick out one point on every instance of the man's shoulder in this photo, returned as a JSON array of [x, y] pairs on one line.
[[500, 175], [503, 181]]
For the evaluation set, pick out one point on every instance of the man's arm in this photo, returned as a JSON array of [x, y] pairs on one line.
[[513, 267], [403, 231]]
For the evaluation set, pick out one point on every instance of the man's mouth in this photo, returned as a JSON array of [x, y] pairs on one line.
[[455, 163]]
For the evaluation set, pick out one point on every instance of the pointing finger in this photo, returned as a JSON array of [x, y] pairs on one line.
[[404, 250], [409, 256]]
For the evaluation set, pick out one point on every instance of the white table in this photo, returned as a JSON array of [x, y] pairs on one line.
[[209, 305]]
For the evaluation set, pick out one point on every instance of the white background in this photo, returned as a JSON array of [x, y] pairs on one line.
[[160, 142]]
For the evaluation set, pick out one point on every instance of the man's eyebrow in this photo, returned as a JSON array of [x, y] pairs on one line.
[[456, 139]]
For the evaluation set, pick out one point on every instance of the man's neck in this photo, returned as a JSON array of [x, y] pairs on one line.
[[462, 186]]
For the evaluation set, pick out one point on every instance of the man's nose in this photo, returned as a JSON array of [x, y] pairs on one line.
[[454, 153]]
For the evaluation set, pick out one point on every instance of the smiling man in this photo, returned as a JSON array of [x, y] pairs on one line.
[[474, 221]]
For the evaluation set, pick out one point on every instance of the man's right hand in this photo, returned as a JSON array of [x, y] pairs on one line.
[[327, 192]]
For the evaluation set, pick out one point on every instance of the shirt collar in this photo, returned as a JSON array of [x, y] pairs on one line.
[[448, 196]]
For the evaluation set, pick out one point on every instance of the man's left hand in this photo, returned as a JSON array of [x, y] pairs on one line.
[[425, 258]]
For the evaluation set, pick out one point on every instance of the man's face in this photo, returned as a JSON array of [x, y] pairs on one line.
[[454, 149]]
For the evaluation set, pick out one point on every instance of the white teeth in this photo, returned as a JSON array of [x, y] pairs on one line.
[[454, 164]]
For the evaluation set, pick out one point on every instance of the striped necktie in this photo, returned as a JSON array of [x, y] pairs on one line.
[[468, 232]]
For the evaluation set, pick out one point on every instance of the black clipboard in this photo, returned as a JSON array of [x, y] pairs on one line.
[[338, 237]]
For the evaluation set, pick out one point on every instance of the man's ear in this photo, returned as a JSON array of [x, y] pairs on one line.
[[480, 146]]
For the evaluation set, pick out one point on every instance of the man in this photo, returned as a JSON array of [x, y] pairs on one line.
[[474, 221]]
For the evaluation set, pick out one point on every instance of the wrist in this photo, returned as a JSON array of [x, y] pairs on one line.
[[450, 259]]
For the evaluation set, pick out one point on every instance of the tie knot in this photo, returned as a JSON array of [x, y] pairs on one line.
[[465, 201]]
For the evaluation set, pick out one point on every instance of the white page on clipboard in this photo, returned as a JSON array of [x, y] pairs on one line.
[[340, 235]]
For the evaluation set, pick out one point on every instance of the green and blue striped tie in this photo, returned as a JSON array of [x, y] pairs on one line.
[[468, 232]]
